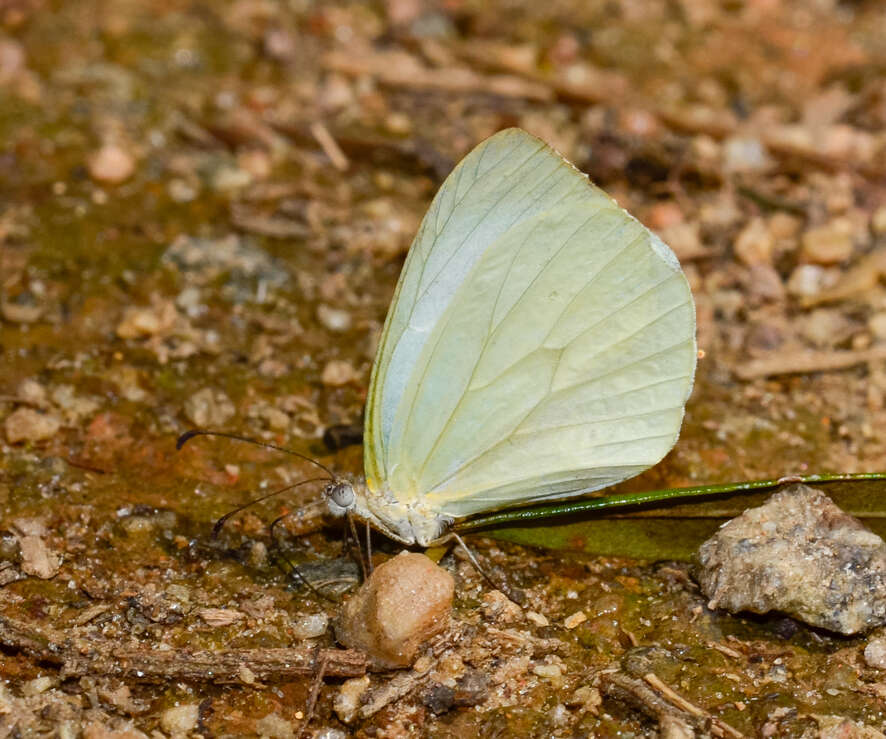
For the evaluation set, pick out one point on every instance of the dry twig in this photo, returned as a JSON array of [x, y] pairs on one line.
[[808, 361], [243, 666]]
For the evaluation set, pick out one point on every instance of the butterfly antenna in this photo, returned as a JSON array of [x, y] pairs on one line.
[[188, 435], [359, 548], [293, 568], [223, 520]]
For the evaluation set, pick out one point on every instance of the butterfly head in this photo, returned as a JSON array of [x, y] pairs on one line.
[[340, 497]]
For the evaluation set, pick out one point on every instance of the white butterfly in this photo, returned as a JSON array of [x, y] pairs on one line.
[[541, 344]]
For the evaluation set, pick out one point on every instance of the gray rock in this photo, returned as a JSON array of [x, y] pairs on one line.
[[801, 555]]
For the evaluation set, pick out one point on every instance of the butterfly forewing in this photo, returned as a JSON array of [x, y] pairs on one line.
[[541, 342]]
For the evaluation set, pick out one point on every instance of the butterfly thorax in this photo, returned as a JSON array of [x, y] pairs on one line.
[[410, 523]]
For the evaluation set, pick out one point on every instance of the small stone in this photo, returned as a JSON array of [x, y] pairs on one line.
[[27, 424], [338, 372], [469, 689], [75, 408], [99, 730], [664, 215], [228, 177], [684, 239], [877, 325], [576, 619], [9, 573], [276, 419], [209, 407], [745, 154], [783, 226], [31, 391], [280, 44], [181, 191], [38, 560], [537, 618], [586, 698], [875, 653], [675, 727], [398, 124], [801, 555], [335, 319], [825, 327], [111, 163], [406, 601], [257, 162], [347, 702], [310, 626], [274, 726], [25, 312], [840, 727], [141, 322], [29, 526], [754, 243], [12, 60], [499, 608], [220, 616], [180, 720], [37, 685], [763, 337], [806, 280], [548, 671], [765, 283], [828, 244], [330, 733]]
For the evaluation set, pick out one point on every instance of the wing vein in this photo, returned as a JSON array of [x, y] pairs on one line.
[[483, 349]]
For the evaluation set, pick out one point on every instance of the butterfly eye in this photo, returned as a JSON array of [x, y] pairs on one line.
[[341, 498]]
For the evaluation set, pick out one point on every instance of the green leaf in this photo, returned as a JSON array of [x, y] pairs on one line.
[[662, 524]]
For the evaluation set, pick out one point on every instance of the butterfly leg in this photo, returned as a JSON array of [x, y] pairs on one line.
[[515, 595], [353, 529], [293, 568], [369, 547]]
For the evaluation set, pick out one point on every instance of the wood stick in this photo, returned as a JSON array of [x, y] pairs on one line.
[[808, 361], [243, 666]]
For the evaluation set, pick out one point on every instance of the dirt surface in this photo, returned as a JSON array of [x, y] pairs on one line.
[[204, 208]]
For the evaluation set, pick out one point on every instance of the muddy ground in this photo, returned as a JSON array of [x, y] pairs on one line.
[[204, 208]]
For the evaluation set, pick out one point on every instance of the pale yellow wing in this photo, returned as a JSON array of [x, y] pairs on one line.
[[541, 342]]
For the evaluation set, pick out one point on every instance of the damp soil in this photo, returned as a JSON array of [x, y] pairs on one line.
[[204, 209]]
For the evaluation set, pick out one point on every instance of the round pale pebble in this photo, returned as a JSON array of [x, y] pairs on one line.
[[111, 163], [209, 407], [180, 720], [406, 601], [26, 424], [337, 372]]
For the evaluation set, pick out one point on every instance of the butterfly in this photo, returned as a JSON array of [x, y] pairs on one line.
[[540, 345]]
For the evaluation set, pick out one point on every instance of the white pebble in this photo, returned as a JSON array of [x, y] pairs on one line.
[[310, 626], [875, 653]]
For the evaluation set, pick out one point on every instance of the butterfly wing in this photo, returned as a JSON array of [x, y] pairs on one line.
[[541, 342]]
